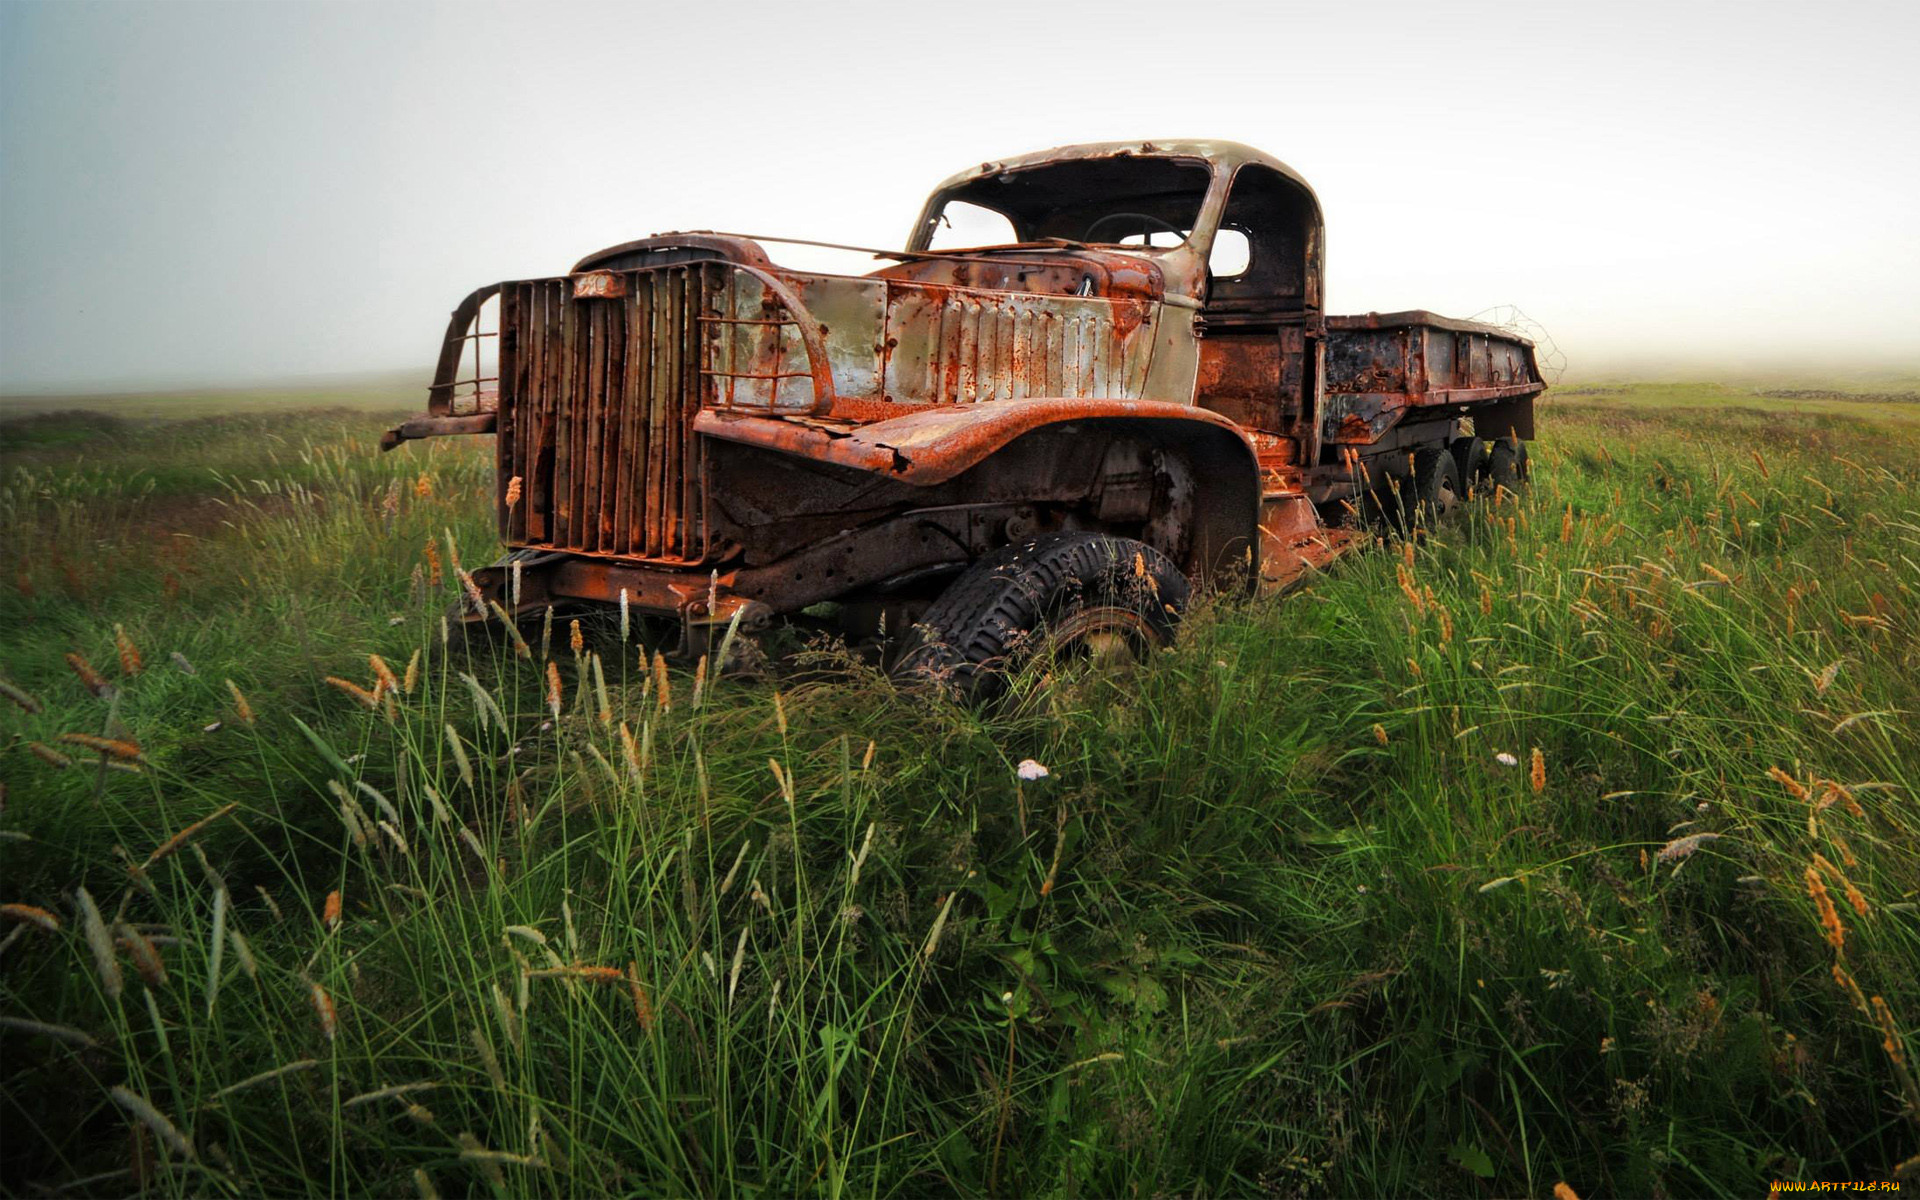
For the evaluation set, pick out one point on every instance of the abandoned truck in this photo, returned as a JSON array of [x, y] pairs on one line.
[[1094, 376]]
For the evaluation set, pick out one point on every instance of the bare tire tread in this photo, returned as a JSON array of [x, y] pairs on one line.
[[985, 618]]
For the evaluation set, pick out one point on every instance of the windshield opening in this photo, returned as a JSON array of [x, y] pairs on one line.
[[1139, 202]]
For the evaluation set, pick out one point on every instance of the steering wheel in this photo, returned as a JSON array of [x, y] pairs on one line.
[[1130, 216]]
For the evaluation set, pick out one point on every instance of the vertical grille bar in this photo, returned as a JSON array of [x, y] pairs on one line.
[[593, 431], [676, 463], [689, 404], [656, 416]]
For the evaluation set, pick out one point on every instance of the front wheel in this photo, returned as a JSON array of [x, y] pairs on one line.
[[1064, 595]]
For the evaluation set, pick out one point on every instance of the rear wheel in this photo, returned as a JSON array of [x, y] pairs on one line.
[[1470, 454], [1389, 504], [1063, 595], [1436, 476], [1507, 464]]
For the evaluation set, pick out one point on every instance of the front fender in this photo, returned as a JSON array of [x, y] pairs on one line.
[[929, 446], [932, 445]]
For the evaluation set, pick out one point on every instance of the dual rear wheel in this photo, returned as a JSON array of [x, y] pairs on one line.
[[1446, 477]]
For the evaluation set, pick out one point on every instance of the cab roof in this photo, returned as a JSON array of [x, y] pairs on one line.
[[1226, 155]]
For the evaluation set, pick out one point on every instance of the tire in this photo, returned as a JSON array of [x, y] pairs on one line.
[[1388, 505], [1055, 593], [1470, 453], [1437, 489], [1507, 465]]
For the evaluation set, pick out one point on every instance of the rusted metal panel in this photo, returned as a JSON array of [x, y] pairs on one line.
[[787, 343], [1384, 368], [950, 345], [931, 444]]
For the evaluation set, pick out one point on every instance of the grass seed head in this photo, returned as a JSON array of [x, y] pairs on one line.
[[1681, 847], [50, 756], [241, 708], [365, 697], [129, 653], [1894, 1045], [112, 747], [151, 1117], [19, 697], [512, 627], [1836, 932], [59, 1033], [330, 914], [1794, 787], [488, 1059], [642, 1002], [460, 756], [105, 964], [186, 835], [629, 749], [1537, 776], [554, 693], [145, 955], [475, 598], [324, 1010], [28, 914], [91, 679]]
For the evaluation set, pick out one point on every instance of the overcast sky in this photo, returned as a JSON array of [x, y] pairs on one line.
[[220, 193]]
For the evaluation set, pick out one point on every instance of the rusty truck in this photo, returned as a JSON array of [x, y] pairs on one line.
[[1094, 377]]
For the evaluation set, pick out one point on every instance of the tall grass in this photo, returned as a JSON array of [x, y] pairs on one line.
[[1574, 843]]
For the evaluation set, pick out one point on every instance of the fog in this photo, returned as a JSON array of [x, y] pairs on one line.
[[217, 194]]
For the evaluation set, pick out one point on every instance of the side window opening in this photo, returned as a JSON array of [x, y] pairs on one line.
[[1232, 253], [1260, 255]]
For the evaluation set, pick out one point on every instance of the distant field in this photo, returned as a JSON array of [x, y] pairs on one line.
[[382, 393], [1880, 401], [1574, 844]]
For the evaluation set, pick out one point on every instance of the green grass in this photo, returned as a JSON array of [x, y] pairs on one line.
[[1279, 921]]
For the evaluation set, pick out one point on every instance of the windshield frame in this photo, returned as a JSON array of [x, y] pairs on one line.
[[1197, 244]]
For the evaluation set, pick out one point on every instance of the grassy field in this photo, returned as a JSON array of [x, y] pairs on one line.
[[1575, 845]]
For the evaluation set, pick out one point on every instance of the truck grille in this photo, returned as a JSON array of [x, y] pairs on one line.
[[597, 400]]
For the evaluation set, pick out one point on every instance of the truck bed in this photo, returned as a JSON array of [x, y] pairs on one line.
[[1388, 369]]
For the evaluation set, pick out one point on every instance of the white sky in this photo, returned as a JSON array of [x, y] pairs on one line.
[[216, 193]]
